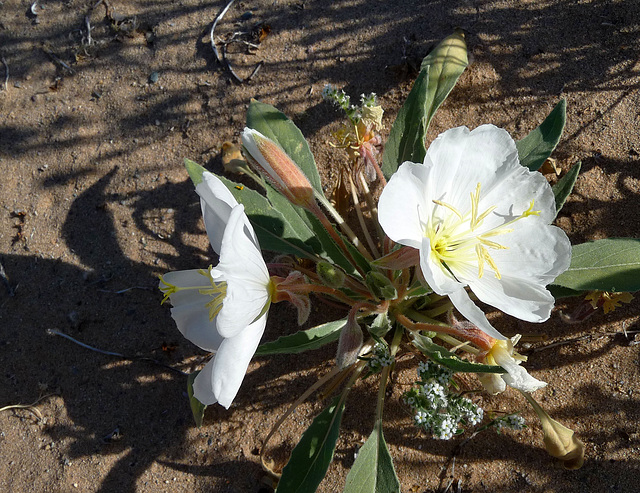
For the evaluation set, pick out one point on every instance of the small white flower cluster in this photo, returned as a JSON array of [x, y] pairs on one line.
[[437, 409], [513, 421], [368, 100], [380, 357], [432, 371], [342, 99]]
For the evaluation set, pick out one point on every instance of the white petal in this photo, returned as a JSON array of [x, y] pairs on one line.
[[438, 279], [519, 298], [512, 192], [203, 385], [462, 159], [220, 379], [516, 376], [243, 268], [472, 313], [492, 383], [401, 203], [521, 380], [189, 310], [216, 202], [538, 257]]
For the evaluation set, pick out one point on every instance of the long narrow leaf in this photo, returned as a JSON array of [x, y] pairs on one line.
[[310, 459], [197, 407], [449, 359], [563, 188], [303, 340], [439, 73], [536, 147]]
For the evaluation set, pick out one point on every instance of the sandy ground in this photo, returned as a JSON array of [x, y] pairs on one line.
[[95, 203]]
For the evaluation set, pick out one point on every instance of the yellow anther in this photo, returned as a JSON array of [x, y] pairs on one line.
[[450, 207], [480, 261], [491, 244], [493, 265], [483, 216], [475, 200]]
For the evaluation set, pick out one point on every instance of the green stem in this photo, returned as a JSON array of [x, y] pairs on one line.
[[384, 376], [343, 226]]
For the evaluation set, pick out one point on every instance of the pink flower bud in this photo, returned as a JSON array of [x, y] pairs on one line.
[[273, 163]]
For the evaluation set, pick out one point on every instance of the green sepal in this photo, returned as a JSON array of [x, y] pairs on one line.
[[612, 264], [275, 125], [310, 459], [536, 147], [439, 73], [197, 407], [450, 360], [562, 189], [303, 340]]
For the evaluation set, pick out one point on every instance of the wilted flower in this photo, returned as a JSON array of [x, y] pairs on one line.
[[503, 354], [479, 219], [222, 309]]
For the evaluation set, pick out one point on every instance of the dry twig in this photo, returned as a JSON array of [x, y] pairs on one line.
[[213, 28]]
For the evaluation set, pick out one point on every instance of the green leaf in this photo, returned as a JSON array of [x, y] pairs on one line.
[[439, 72], [275, 125], [310, 459], [561, 292], [303, 340], [274, 231], [332, 251], [536, 147], [197, 407], [195, 171], [563, 188], [450, 360], [373, 470], [611, 265]]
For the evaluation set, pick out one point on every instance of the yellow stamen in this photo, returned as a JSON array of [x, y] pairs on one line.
[[217, 290]]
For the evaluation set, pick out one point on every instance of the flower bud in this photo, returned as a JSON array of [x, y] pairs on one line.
[[330, 275], [275, 165], [559, 441]]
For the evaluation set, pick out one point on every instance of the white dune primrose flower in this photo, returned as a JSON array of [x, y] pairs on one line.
[[222, 309], [479, 219]]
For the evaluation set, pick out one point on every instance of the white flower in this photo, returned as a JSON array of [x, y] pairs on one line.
[[503, 354], [223, 309], [479, 219]]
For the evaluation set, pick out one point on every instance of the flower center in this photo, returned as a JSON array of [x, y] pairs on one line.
[[455, 240], [217, 291]]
